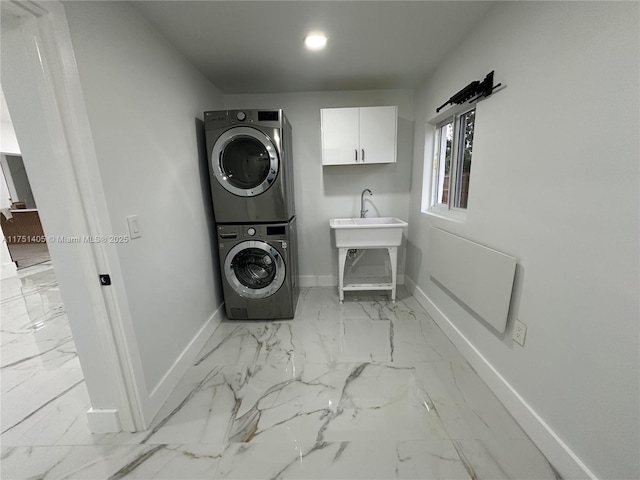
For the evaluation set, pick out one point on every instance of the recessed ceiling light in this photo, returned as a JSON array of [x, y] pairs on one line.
[[315, 41]]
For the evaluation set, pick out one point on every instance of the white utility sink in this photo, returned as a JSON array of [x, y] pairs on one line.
[[363, 234], [375, 232]]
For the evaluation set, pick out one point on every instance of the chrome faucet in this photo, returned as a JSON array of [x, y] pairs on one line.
[[362, 210]]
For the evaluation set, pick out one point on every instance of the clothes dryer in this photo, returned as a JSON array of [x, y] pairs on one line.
[[250, 165], [259, 266]]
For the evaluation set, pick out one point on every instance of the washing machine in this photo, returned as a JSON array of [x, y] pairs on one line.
[[259, 265], [250, 165]]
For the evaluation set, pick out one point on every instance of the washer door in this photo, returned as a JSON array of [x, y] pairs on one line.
[[245, 161], [254, 269]]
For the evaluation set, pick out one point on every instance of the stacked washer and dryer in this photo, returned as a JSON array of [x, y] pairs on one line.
[[251, 173]]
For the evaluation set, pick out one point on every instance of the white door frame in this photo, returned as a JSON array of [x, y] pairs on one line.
[[41, 82]]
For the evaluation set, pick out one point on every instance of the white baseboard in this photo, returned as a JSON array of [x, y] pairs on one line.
[[330, 280], [103, 420], [185, 360], [550, 444], [9, 270]]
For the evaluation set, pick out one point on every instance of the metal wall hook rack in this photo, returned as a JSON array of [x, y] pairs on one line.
[[472, 92]]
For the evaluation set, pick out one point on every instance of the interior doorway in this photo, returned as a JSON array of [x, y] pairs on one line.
[[20, 220], [40, 81]]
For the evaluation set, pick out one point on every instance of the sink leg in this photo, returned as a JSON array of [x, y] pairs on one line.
[[393, 258], [342, 258]]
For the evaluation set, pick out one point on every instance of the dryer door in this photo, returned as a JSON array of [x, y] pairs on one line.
[[245, 161], [254, 269]]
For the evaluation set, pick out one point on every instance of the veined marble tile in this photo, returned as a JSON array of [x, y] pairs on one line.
[[47, 345], [375, 330], [341, 460], [31, 310], [17, 315], [467, 407], [34, 331], [323, 303], [338, 402], [504, 459], [421, 340], [325, 331], [288, 402], [364, 389], [32, 280], [344, 340], [381, 402], [47, 407], [313, 300], [249, 343], [40, 407], [385, 459], [111, 462], [201, 409], [429, 459], [379, 306], [232, 344], [376, 338], [273, 385]]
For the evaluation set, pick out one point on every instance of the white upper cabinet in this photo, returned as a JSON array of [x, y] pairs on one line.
[[378, 134], [361, 135], [340, 135]]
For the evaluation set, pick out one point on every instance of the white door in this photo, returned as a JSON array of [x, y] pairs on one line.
[[340, 136], [378, 126]]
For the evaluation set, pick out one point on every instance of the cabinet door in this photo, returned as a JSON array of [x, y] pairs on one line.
[[378, 132], [340, 136]]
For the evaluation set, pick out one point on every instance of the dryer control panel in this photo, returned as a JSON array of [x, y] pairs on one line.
[[276, 231], [224, 118]]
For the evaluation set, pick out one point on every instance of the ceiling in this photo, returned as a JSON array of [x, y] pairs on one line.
[[257, 46]]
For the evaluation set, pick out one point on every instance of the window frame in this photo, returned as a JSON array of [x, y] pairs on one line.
[[453, 116]]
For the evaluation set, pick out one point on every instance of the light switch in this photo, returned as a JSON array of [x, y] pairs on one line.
[[134, 228]]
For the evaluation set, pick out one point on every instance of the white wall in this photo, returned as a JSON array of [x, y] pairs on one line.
[[555, 184], [8, 140], [8, 144], [321, 192], [145, 104], [5, 195]]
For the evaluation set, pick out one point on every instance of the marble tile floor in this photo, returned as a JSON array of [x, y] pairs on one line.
[[28, 254], [364, 390]]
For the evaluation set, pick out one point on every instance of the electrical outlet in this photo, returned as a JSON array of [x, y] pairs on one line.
[[519, 332]]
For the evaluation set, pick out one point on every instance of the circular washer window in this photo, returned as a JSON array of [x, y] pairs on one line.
[[254, 269], [245, 161]]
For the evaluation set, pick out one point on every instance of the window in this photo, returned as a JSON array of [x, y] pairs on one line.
[[452, 161]]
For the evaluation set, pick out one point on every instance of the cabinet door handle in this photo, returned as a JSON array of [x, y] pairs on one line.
[[356, 152], [363, 154]]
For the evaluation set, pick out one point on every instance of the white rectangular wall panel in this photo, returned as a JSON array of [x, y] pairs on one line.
[[480, 277]]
